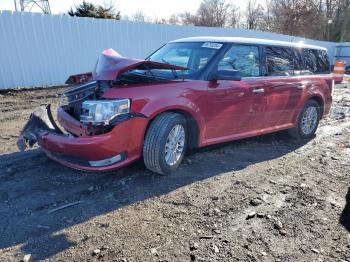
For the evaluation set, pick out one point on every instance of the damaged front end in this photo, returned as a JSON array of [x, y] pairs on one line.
[[92, 144], [86, 102], [70, 116], [97, 133]]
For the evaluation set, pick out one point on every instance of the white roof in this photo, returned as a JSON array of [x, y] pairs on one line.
[[244, 40]]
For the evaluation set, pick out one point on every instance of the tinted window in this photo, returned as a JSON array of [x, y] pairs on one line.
[[316, 61], [281, 61], [243, 58], [323, 62]]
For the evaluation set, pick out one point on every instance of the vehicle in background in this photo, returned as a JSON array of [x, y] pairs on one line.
[[347, 70], [191, 92]]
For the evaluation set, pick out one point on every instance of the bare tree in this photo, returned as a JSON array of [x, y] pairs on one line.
[[340, 25], [174, 19], [254, 15], [157, 20], [188, 19], [213, 13], [267, 23], [140, 16], [317, 19], [234, 16], [296, 17]]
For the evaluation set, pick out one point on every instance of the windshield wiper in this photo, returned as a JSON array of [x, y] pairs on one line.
[[149, 71], [172, 69]]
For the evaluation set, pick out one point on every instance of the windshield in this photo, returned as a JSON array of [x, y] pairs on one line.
[[194, 56]]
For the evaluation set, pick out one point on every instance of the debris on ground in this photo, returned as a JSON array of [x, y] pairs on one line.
[[64, 206], [26, 258], [270, 198]]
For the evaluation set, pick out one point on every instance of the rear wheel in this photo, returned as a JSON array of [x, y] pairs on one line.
[[165, 143], [308, 121]]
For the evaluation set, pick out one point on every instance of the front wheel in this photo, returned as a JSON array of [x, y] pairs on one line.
[[165, 143], [308, 121]]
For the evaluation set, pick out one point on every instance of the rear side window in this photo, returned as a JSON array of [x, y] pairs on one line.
[[316, 61], [281, 61], [244, 58]]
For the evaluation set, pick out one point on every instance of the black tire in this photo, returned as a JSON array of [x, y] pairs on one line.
[[297, 131], [155, 140]]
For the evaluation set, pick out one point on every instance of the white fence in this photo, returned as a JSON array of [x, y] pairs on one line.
[[38, 49]]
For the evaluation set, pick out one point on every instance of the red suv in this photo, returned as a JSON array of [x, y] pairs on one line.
[[190, 93]]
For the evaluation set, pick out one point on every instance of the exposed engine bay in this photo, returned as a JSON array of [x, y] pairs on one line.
[[94, 90], [86, 102], [86, 112], [78, 94]]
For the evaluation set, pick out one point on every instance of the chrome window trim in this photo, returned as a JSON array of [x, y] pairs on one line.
[[277, 77]]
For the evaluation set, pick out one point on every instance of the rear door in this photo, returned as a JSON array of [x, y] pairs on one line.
[[317, 74], [284, 89]]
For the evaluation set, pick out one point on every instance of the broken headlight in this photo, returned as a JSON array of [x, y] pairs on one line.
[[101, 112]]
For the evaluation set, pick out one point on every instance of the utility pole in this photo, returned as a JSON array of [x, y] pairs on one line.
[[27, 5]]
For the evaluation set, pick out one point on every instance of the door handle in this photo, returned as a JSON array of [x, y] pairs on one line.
[[302, 85], [258, 90]]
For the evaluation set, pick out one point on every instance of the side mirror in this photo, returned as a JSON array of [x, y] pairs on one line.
[[231, 75]]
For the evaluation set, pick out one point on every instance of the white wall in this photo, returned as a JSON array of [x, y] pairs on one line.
[[38, 49]]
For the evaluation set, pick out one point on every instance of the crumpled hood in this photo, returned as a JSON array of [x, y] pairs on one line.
[[110, 65]]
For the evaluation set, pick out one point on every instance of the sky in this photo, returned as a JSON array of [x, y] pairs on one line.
[[151, 8]]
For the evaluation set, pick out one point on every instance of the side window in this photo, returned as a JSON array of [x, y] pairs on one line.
[[316, 61], [299, 62], [310, 61], [243, 58], [323, 65], [281, 61]]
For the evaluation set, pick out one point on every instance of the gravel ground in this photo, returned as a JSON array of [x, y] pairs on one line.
[[268, 198]]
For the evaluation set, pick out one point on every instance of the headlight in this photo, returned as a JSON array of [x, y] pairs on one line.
[[103, 111]]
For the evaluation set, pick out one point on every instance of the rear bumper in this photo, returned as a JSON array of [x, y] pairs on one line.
[[119, 147]]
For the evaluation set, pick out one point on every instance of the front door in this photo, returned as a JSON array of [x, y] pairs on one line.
[[234, 108]]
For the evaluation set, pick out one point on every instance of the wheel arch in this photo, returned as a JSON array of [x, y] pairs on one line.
[[193, 127], [319, 100]]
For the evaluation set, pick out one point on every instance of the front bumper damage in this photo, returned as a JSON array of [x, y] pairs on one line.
[[76, 148], [98, 146], [40, 122]]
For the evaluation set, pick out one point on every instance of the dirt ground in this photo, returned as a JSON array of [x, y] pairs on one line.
[[268, 198]]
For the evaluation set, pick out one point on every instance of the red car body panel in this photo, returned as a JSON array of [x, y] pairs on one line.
[[222, 110], [216, 108]]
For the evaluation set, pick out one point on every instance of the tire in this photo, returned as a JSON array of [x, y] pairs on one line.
[[299, 131], [157, 138]]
